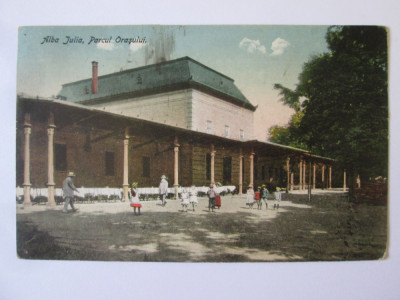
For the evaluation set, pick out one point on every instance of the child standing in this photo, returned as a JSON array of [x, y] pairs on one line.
[[135, 202], [264, 195], [185, 199], [193, 196], [278, 196], [211, 197]]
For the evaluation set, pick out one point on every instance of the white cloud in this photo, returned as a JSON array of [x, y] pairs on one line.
[[136, 46], [278, 46], [106, 46], [252, 45]]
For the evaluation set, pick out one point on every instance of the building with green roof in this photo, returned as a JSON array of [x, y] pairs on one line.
[[180, 92]]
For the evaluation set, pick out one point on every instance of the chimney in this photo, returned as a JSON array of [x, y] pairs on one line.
[[94, 77]]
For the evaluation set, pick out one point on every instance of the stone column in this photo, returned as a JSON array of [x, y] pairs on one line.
[[344, 181], [27, 161], [50, 162], [125, 184], [323, 176], [241, 172], [304, 175], [314, 173], [252, 169], [291, 181], [301, 174], [176, 167], [288, 174], [330, 177], [212, 164]]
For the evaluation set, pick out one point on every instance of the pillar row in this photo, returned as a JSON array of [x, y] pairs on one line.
[[27, 160], [50, 163], [125, 184], [288, 174], [241, 172], [212, 164], [176, 167], [252, 169]]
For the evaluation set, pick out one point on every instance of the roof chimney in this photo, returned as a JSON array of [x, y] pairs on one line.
[[94, 77]]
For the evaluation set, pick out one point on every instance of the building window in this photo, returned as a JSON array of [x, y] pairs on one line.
[[241, 134], [208, 166], [146, 166], [227, 131], [227, 170], [109, 160], [209, 125], [139, 79], [60, 155]]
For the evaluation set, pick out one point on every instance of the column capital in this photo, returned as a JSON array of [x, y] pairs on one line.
[[28, 129], [50, 131]]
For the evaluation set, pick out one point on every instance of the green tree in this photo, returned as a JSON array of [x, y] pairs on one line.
[[345, 107]]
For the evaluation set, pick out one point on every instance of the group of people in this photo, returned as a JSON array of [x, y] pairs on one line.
[[188, 195], [262, 196]]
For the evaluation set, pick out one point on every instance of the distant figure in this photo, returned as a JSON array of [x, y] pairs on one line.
[[185, 199], [257, 198], [68, 192], [278, 196], [264, 195], [163, 189], [211, 197], [193, 196], [250, 197], [135, 202]]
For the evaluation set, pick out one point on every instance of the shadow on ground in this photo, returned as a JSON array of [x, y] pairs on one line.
[[323, 231]]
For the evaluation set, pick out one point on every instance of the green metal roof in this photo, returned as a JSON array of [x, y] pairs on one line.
[[157, 78]]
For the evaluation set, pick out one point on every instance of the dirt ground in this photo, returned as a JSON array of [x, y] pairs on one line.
[[329, 228]]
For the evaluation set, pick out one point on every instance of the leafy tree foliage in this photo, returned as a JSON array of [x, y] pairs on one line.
[[345, 111]]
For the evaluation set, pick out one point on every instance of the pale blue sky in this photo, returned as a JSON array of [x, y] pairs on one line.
[[256, 57]]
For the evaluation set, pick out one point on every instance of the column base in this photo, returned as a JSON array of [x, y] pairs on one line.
[[51, 202], [126, 193], [27, 195], [176, 191]]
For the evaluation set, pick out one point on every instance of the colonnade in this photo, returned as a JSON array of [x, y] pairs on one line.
[[50, 165]]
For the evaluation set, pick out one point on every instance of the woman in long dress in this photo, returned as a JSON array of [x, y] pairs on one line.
[[193, 196], [250, 197]]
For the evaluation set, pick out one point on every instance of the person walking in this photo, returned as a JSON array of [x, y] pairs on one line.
[[68, 192], [163, 190], [264, 195], [211, 197]]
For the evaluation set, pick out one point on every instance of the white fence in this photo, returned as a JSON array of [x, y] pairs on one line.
[[106, 194]]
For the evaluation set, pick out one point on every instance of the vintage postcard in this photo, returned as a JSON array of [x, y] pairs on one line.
[[202, 143]]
